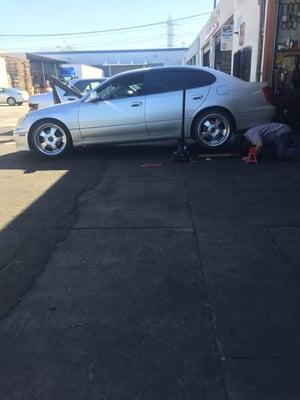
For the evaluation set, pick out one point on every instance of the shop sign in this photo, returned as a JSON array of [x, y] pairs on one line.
[[226, 37], [213, 24]]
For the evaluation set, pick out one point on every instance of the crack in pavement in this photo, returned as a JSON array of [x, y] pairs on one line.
[[276, 244], [41, 266], [210, 312]]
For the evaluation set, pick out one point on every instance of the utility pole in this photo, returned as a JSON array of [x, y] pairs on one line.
[[170, 34], [215, 4]]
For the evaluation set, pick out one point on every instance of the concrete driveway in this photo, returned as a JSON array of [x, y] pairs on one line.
[[119, 281], [9, 117]]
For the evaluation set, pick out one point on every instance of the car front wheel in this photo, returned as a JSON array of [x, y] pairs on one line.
[[50, 139], [213, 129], [11, 101]]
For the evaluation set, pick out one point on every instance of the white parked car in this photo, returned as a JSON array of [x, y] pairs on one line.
[[13, 96], [84, 86]]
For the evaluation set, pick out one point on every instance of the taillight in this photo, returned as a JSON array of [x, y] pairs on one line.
[[268, 94], [33, 107]]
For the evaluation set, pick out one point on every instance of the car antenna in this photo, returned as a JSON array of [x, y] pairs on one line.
[[182, 154]]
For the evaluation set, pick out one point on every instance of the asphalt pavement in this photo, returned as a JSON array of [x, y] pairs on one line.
[[8, 119], [126, 276]]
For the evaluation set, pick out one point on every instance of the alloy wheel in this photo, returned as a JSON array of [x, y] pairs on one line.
[[213, 130], [50, 139]]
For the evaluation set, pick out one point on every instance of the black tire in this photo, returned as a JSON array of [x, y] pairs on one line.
[[20, 103], [50, 139], [213, 129], [11, 101]]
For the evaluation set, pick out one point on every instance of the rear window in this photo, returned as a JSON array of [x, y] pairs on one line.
[[198, 78], [165, 81], [170, 80]]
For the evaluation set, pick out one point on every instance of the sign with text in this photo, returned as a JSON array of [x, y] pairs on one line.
[[226, 37], [213, 24]]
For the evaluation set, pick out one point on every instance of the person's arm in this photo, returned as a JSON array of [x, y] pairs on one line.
[[254, 137], [258, 148]]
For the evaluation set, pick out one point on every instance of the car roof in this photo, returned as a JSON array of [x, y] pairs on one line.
[[170, 68], [219, 75], [166, 68]]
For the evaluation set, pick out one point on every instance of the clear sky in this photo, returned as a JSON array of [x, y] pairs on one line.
[[62, 16]]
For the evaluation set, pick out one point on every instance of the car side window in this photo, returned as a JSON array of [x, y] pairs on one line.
[[165, 81], [95, 84], [83, 86], [199, 78], [127, 86], [2, 90]]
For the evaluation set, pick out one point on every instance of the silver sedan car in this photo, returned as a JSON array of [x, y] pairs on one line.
[[145, 105]]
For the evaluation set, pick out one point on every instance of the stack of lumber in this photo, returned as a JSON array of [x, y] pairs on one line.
[[19, 72]]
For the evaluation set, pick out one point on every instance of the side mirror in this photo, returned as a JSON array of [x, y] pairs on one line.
[[93, 97]]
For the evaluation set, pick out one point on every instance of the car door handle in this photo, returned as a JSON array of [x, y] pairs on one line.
[[198, 97], [71, 98], [136, 104]]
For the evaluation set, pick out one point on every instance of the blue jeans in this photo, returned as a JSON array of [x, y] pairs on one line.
[[285, 148]]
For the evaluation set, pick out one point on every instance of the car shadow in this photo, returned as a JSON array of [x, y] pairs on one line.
[[31, 234], [50, 217]]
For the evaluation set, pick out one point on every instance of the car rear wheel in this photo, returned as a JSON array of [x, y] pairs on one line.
[[11, 101], [213, 129], [50, 139]]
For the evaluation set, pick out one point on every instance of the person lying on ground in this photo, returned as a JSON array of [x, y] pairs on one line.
[[272, 139]]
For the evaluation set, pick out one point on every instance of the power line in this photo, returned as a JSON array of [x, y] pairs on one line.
[[190, 22], [154, 29], [99, 43], [102, 31], [77, 36], [158, 39]]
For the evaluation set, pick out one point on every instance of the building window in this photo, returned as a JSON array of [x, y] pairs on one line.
[[192, 61], [206, 57], [242, 64]]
